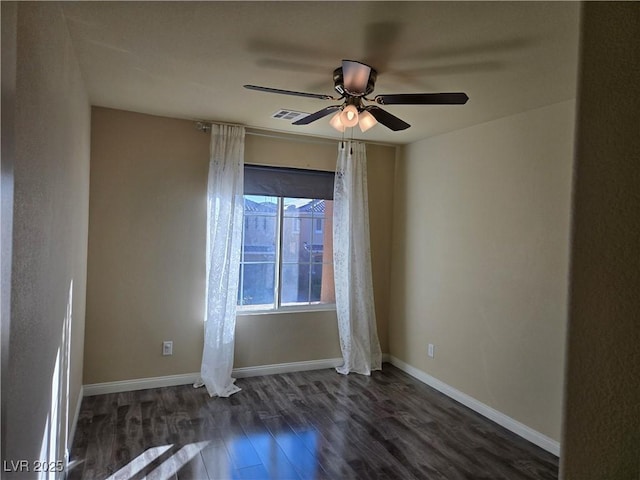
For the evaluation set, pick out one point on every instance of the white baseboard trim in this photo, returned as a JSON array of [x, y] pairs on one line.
[[139, 384], [287, 367], [507, 422], [187, 378]]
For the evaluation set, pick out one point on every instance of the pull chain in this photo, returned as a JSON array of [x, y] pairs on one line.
[[351, 143]]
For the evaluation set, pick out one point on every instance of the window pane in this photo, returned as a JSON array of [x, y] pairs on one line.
[[316, 282], [294, 207], [259, 235], [259, 247], [258, 284], [296, 239], [260, 204], [259, 241], [316, 249], [307, 283], [306, 251], [295, 283], [327, 293]]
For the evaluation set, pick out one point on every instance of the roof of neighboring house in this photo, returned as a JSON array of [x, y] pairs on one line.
[[314, 206], [264, 207]]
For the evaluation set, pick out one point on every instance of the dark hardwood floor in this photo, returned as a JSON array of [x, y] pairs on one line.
[[306, 425]]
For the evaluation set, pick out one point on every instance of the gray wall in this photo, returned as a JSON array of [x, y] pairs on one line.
[[51, 194], [7, 160], [601, 438]]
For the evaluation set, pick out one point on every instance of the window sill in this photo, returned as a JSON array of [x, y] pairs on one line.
[[327, 307]]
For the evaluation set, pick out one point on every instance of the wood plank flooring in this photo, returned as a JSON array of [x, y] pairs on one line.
[[306, 425]]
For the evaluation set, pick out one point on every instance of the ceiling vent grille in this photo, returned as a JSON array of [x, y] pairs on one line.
[[289, 115]]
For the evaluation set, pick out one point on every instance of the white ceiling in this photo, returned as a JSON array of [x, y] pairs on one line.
[[190, 59]]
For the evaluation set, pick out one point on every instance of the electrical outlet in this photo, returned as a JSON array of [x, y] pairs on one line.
[[167, 348], [431, 350]]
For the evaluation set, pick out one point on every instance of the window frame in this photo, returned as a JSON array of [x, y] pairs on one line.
[[277, 306]]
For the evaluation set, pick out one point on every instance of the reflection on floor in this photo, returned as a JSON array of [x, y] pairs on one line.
[[306, 425]]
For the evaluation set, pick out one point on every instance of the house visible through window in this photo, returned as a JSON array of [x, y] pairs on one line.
[[287, 251]]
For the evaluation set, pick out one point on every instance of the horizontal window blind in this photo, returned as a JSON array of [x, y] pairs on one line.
[[288, 182]]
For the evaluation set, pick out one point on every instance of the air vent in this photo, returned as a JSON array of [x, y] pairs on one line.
[[289, 115]]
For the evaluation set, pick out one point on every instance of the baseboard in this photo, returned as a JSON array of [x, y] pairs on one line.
[[505, 421], [139, 384], [187, 378], [286, 367]]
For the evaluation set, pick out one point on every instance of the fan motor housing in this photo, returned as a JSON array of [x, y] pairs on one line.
[[338, 83]]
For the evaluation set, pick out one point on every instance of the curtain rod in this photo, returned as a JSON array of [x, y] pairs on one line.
[[206, 126], [257, 132]]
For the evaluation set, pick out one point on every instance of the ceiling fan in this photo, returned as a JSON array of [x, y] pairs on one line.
[[354, 81]]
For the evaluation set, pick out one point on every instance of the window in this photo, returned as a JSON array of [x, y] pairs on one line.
[[287, 251]]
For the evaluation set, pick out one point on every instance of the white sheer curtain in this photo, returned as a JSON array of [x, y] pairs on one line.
[[352, 263], [225, 208]]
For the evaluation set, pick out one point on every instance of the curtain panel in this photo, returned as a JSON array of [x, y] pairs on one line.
[[352, 263], [225, 206]]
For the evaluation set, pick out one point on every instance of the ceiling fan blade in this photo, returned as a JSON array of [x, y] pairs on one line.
[[317, 115], [355, 76], [290, 92], [457, 98], [385, 118]]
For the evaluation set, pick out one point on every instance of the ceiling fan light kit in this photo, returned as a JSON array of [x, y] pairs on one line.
[[349, 116], [366, 121], [336, 123], [354, 81]]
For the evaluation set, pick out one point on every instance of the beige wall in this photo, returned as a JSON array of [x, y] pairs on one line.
[[146, 241], [145, 280], [381, 177], [480, 259], [601, 437], [51, 199]]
